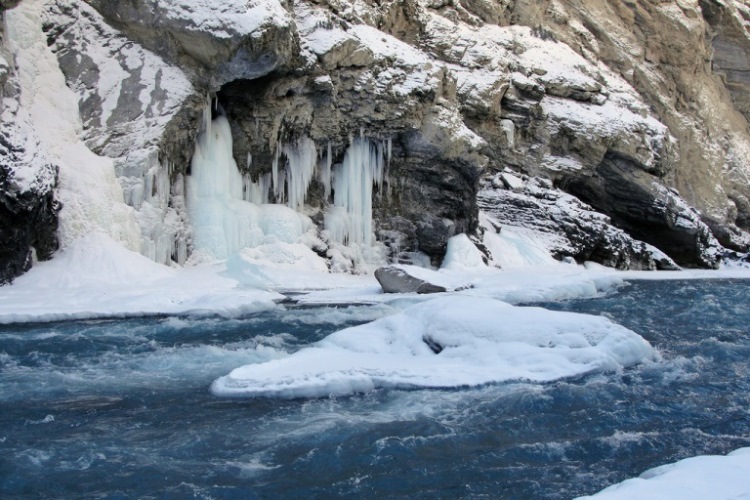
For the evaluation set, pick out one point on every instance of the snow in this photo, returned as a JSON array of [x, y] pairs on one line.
[[445, 342], [462, 254], [517, 247], [225, 19], [92, 200], [709, 476], [96, 277], [223, 222]]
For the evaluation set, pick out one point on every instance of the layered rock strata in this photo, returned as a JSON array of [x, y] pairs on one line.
[[638, 110]]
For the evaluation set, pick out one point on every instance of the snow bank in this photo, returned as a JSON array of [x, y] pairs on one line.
[[711, 476], [92, 200], [97, 277], [445, 342]]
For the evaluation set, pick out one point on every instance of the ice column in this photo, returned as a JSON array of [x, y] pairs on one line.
[[324, 172], [301, 161], [257, 192], [222, 222], [350, 220], [290, 184]]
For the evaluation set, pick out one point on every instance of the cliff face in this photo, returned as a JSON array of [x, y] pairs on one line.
[[28, 208], [637, 112]]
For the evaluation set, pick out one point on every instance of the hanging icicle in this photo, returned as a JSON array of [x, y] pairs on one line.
[[350, 220]]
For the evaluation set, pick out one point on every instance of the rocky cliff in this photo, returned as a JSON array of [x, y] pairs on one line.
[[633, 112], [28, 208]]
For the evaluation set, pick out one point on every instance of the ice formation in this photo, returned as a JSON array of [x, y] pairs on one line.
[[92, 199], [450, 341], [290, 184], [224, 221], [350, 220]]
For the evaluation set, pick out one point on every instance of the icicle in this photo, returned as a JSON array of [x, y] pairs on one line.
[[257, 192], [363, 167], [249, 160], [324, 174], [275, 175], [301, 160], [389, 151]]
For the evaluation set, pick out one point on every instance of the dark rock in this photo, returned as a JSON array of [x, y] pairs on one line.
[[396, 280], [432, 344], [574, 230], [8, 4], [641, 206]]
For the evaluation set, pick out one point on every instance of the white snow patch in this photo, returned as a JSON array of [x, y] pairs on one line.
[[479, 341], [517, 247], [462, 254], [709, 476], [91, 197], [227, 18], [96, 277]]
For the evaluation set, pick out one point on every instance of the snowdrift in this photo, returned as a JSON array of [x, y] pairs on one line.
[[450, 341]]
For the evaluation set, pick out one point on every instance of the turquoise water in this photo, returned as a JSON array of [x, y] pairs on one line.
[[120, 409]]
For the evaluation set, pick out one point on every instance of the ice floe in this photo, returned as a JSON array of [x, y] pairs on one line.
[[447, 342]]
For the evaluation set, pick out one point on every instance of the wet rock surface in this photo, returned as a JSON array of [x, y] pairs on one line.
[[396, 280]]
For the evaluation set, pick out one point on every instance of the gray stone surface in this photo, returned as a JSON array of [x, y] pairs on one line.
[[572, 229], [611, 101], [396, 280]]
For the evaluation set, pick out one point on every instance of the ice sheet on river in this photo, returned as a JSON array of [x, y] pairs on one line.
[[450, 341], [708, 476]]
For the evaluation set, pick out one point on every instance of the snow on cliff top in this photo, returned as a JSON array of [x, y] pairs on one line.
[[226, 18]]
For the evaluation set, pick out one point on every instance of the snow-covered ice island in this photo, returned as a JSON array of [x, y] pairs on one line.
[[237, 278]]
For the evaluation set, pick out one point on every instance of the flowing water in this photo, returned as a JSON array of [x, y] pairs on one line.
[[121, 409]]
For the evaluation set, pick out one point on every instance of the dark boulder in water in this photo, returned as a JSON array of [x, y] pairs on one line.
[[396, 280]]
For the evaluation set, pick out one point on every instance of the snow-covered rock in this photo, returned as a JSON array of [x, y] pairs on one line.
[[445, 342], [708, 476], [570, 228], [445, 93]]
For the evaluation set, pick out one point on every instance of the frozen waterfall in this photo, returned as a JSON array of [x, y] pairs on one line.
[[230, 212], [222, 222], [350, 219]]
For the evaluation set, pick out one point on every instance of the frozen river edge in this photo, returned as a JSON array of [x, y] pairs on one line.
[[98, 279]]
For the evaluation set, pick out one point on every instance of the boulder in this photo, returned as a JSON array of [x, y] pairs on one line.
[[396, 280]]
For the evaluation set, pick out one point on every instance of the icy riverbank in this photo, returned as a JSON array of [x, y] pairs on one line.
[[96, 278]]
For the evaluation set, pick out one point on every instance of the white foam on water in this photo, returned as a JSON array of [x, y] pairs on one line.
[[150, 366]]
